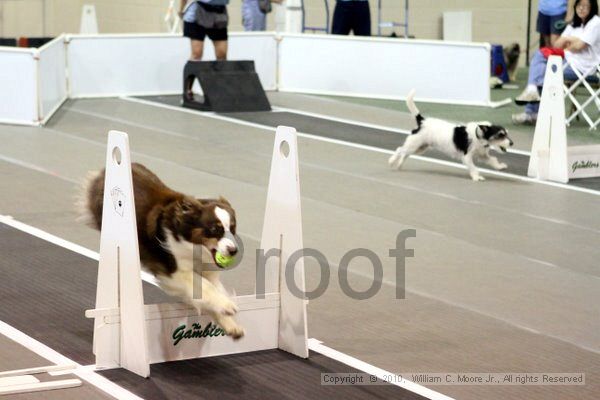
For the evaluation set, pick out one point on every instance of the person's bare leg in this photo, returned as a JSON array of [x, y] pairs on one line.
[[546, 40], [553, 38], [197, 50], [220, 49]]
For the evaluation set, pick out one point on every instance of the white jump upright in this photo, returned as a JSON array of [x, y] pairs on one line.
[[119, 282], [132, 335], [551, 158], [282, 229], [89, 22]]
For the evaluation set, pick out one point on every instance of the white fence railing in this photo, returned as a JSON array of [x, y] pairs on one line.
[[18, 86], [52, 74], [134, 65], [34, 82], [442, 72]]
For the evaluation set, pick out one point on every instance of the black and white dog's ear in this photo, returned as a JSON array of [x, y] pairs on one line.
[[481, 130]]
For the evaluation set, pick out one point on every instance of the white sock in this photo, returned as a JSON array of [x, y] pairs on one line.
[[531, 88]]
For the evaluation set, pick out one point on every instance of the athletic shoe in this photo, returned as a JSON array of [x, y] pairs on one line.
[[524, 119], [496, 83], [527, 97]]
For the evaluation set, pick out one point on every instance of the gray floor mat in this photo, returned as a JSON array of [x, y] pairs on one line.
[[45, 290], [517, 163]]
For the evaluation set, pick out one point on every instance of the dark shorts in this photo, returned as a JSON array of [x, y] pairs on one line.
[[547, 24], [351, 16], [197, 32]]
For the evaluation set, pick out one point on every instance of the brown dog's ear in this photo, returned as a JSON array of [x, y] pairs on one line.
[[152, 220], [188, 205]]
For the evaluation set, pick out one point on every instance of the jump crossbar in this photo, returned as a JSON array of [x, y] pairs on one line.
[[182, 310]]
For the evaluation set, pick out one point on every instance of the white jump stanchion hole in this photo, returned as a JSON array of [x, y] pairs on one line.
[[551, 158], [88, 23], [132, 335]]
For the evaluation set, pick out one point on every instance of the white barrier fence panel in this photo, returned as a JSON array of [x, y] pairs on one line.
[[52, 77], [18, 86], [128, 65], [115, 65], [444, 72]]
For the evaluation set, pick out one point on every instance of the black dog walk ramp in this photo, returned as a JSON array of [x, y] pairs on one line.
[[228, 86], [46, 288]]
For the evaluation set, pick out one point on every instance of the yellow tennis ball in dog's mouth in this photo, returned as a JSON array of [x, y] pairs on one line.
[[224, 261]]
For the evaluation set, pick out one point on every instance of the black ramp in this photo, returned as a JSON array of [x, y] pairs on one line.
[[228, 86], [45, 290]]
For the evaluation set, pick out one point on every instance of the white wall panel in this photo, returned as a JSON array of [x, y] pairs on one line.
[[53, 79], [111, 65], [18, 86], [443, 72]]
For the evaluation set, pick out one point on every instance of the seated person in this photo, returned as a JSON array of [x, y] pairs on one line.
[[581, 44]]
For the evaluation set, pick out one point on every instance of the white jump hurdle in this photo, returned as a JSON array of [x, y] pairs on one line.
[[24, 381], [132, 335], [551, 158]]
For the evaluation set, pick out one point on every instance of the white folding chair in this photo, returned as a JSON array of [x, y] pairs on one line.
[[586, 81]]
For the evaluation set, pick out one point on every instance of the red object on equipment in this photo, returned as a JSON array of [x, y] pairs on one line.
[[552, 51]]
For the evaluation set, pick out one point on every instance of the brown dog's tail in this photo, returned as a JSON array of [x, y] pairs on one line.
[[89, 199]]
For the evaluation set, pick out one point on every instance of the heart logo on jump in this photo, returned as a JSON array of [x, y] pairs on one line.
[[118, 199]]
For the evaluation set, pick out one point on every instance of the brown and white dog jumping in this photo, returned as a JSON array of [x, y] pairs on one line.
[[169, 225]]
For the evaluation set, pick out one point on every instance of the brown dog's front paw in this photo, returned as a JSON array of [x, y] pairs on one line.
[[236, 332], [229, 308]]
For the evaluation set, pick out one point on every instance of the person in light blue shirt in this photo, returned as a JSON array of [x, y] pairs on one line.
[[551, 21], [254, 17]]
